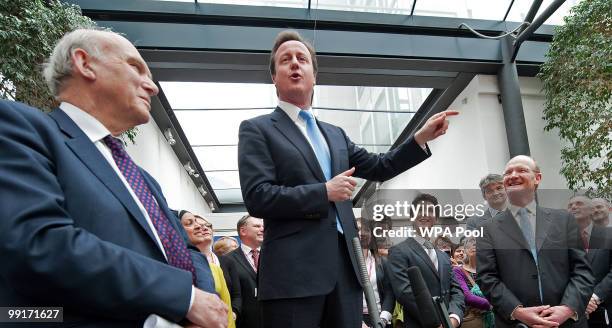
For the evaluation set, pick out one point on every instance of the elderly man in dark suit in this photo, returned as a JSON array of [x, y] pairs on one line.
[[596, 241], [240, 267], [494, 193], [296, 173], [434, 264], [531, 263], [83, 227]]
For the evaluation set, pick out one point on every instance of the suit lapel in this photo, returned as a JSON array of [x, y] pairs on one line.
[[418, 249], [287, 127], [596, 242], [91, 157], [507, 224], [245, 263], [543, 223]]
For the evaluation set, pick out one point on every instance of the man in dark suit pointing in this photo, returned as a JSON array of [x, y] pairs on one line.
[[296, 173]]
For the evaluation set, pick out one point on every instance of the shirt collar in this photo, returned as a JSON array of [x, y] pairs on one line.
[[589, 229], [531, 208], [292, 110], [246, 249], [420, 239], [92, 128]]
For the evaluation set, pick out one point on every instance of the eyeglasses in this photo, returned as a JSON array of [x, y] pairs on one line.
[[199, 221]]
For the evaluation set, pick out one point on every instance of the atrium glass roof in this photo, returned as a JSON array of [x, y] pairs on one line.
[[373, 117], [476, 9]]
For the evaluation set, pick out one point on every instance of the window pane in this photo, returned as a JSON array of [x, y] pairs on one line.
[[477, 9], [210, 115], [374, 6]]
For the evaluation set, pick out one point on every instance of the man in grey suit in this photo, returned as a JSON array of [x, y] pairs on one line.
[[435, 267], [601, 212], [597, 243], [531, 263], [493, 191]]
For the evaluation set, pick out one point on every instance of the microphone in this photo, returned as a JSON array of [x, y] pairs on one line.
[[423, 299], [367, 286]]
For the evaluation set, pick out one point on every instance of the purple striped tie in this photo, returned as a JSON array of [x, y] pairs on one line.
[[176, 250]]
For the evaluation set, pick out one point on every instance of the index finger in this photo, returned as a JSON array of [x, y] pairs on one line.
[[451, 112]]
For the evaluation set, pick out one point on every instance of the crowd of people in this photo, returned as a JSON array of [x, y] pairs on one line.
[[84, 227]]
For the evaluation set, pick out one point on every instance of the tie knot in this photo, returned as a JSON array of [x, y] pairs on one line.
[[113, 143], [306, 115], [428, 244], [254, 252]]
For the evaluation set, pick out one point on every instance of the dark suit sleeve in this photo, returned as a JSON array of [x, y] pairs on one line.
[[231, 276], [387, 301], [457, 298], [400, 282], [580, 287], [263, 195], [49, 259], [382, 167], [603, 289], [488, 277]]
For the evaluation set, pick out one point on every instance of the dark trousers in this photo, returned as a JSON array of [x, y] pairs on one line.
[[339, 309], [597, 319]]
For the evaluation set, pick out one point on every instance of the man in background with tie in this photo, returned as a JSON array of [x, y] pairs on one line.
[[531, 262], [296, 173], [494, 193], [82, 226], [598, 245], [434, 265], [240, 267]]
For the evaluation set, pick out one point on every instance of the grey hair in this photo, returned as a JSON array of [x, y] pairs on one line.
[[490, 178], [59, 65]]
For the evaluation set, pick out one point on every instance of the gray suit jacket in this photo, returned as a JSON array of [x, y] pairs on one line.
[[440, 282], [475, 222], [600, 258], [507, 272]]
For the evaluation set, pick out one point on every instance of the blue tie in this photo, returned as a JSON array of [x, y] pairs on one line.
[[529, 234], [318, 145]]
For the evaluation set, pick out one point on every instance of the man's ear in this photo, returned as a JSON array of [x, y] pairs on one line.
[[273, 76], [82, 64], [538, 178]]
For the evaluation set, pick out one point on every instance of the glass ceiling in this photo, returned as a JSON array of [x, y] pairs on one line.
[[373, 117], [476, 9]]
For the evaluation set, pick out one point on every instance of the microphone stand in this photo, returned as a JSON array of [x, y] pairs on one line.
[[367, 286]]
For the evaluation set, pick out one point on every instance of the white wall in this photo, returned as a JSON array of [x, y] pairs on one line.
[[156, 156], [476, 144]]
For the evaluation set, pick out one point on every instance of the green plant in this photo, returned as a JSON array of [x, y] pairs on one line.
[[29, 30], [577, 79]]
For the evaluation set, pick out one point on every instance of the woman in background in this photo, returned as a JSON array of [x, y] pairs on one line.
[[224, 245], [478, 312], [375, 264], [459, 254], [200, 234]]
